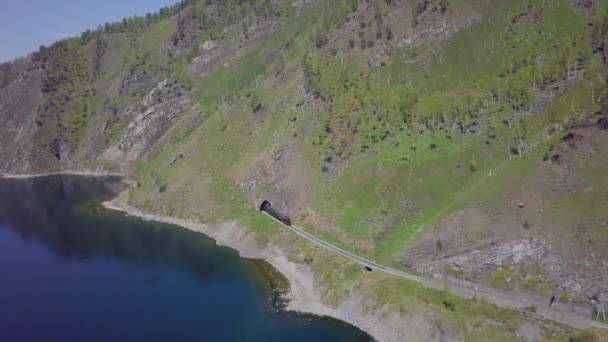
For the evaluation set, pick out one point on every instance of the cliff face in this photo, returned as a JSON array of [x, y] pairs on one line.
[[452, 135], [163, 105], [20, 100]]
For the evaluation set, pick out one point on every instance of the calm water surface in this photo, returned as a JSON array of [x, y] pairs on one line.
[[69, 271]]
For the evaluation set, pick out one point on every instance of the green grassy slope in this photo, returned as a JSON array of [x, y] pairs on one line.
[[399, 146], [381, 153]]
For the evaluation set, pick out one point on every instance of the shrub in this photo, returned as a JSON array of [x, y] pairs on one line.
[[449, 305], [512, 325], [389, 34], [321, 42], [531, 282]]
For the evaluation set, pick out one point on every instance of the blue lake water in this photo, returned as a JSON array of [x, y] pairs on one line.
[[70, 271]]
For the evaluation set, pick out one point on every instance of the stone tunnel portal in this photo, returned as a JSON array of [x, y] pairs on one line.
[[265, 206]]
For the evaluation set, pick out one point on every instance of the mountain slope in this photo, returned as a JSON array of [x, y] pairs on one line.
[[462, 137]]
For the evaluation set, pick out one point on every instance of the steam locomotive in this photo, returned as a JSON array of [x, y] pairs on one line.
[[267, 207]]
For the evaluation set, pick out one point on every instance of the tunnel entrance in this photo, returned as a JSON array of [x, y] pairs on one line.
[[265, 206]]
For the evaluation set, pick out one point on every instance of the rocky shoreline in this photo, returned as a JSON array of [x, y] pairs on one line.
[[303, 294]]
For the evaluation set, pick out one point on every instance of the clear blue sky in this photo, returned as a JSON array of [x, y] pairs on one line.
[[27, 24]]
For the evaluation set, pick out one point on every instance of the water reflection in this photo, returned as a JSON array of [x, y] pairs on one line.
[[58, 212]]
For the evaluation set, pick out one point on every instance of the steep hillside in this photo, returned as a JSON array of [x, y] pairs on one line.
[[455, 137]]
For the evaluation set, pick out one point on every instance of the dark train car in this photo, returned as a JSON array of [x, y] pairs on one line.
[[267, 207]]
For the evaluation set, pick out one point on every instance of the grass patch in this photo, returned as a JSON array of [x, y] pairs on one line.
[[503, 278]]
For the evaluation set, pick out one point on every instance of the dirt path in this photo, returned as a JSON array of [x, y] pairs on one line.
[[569, 314]]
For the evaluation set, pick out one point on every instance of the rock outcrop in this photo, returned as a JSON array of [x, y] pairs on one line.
[[159, 110], [20, 101]]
